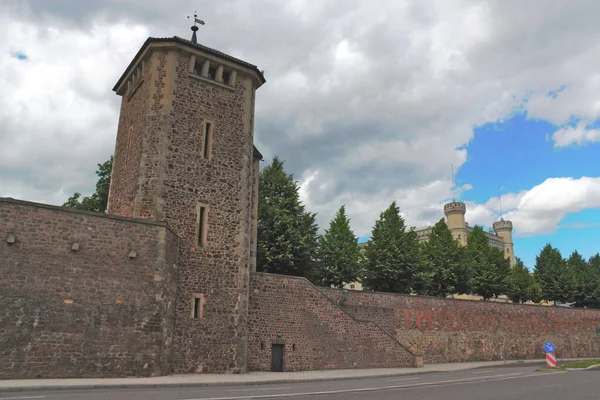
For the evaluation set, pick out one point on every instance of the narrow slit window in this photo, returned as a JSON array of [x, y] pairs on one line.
[[201, 226], [129, 144], [207, 140], [197, 306]]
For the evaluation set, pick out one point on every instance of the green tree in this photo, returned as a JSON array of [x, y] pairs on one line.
[[338, 253], [391, 255], [489, 269], [587, 281], [522, 285], [440, 267], [99, 199], [287, 233], [553, 275], [594, 261]]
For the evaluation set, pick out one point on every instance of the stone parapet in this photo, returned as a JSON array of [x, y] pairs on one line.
[[456, 207], [502, 225]]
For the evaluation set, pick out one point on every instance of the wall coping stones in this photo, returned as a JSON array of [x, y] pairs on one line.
[[25, 203], [409, 296]]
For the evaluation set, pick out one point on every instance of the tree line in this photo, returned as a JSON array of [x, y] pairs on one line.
[[393, 260]]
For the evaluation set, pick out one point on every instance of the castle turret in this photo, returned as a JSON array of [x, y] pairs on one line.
[[455, 219], [504, 230]]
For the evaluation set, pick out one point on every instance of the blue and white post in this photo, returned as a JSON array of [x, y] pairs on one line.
[[550, 355]]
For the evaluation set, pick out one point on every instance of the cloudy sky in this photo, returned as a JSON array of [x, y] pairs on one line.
[[367, 101]]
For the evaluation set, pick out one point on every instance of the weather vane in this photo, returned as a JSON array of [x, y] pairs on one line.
[[195, 28]]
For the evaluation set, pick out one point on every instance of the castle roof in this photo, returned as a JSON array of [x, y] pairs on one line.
[[189, 43]]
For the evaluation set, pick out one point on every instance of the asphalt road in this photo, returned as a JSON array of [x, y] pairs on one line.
[[486, 383]]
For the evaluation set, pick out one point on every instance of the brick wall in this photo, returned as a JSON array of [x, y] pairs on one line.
[[316, 333], [93, 312], [446, 330]]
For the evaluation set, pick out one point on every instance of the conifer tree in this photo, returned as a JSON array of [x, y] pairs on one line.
[[391, 255], [587, 281], [489, 269], [338, 253], [594, 263], [287, 233], [553, 275], [440, 266]]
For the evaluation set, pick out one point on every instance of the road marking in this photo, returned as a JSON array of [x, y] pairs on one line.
[[403, 379], [542, 386], [22, 398], [263, 388], [516, 375]]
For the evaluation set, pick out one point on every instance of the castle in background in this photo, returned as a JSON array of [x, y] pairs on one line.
[[499, 237]]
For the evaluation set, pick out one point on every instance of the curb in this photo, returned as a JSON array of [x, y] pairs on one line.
[[249, 383], [416, 371], [201, 384], [583, 369], [213, 384]]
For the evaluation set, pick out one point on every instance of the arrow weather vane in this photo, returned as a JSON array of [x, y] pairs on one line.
[[195, 28]]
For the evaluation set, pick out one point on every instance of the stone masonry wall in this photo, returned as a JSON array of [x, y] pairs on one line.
[[94, 312], [220, 270], [316, 333], [135, 139], [447, 330]]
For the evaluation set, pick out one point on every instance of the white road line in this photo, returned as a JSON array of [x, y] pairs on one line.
[[373, 389], [403, 379], [542, 387], [22, 398], [263, 388]]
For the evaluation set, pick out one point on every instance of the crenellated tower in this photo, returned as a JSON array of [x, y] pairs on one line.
[[455, 219], [504, 230]]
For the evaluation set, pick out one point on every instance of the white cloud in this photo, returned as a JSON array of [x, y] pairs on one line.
[[60, 118], [366, 103], [540, 209], [579, 134]]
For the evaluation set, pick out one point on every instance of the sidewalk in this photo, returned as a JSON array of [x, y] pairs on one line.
[[241, 379]]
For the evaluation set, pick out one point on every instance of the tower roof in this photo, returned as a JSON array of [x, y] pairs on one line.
[[502, 225], [455, 207], [177, 39]]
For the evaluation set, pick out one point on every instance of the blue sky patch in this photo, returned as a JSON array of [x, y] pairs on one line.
[[517, 155], [20, 55]]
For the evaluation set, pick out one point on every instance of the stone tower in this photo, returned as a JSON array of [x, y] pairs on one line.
[[504, 230], [184, 155], [455, 219]]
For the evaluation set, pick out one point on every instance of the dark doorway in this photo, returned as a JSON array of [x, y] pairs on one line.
[[277, 358]]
